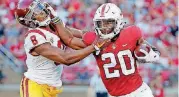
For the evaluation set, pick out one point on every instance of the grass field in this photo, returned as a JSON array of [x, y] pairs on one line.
[[11, 88]]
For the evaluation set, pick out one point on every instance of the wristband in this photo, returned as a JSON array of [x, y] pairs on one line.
[[56, 20]]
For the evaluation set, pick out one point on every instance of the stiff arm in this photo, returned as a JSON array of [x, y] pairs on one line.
[[71, 37]]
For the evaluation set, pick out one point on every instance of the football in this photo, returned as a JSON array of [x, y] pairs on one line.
[[139, 50], [89, 37]]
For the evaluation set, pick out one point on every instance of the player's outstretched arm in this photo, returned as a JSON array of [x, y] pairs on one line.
[[76, 32], [70, 36], [67, 58], [66, 34], [60, 56]]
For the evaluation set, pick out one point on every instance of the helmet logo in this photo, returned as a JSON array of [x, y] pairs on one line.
[[102, 10]]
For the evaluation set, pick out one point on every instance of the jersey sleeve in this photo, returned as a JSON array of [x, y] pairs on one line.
[[33, 40]]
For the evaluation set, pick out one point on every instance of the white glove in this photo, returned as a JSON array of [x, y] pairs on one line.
[[150, 57], [97, 49]]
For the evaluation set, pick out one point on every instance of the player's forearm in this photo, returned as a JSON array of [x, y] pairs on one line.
[[143, 41], [78, 55], [77, 43], [76, 32], [68, 38], [59, 56], [63, 33]]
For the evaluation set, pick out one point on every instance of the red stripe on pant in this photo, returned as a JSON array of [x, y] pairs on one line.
[[27, 87], [22, 85]]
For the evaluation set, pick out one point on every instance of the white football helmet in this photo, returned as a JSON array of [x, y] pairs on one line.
[[26, 11], [110, 15]]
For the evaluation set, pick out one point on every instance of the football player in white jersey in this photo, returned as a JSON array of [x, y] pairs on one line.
[[45, 49]]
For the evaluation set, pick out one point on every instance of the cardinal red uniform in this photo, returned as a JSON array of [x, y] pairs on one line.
[[118, 65]]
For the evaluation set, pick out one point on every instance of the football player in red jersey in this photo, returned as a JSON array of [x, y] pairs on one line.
[[44, 45], [117, 62]]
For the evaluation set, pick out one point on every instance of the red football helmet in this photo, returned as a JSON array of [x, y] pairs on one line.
[[27, 10]]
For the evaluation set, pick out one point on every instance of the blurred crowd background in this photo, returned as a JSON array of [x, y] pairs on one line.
[[158, 20]]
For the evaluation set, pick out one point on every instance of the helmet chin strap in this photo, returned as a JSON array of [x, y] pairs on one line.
[[103, 36], [45, 22], [108, 36]]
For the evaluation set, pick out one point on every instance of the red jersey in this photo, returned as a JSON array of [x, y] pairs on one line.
[[117, 63]]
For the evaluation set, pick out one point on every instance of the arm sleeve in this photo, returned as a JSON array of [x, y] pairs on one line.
[[33, 40]]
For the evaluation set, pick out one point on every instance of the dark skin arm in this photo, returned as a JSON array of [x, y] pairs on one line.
[[76, 32], [143, 41], [60, 56], [140, 41], [68, 36]]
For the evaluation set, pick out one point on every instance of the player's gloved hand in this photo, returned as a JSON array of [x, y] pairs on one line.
[[155, 50], [53, 14], [100, 43], [149, 57]]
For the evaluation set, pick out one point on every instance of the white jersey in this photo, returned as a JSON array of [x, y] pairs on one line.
[[41, 69]]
